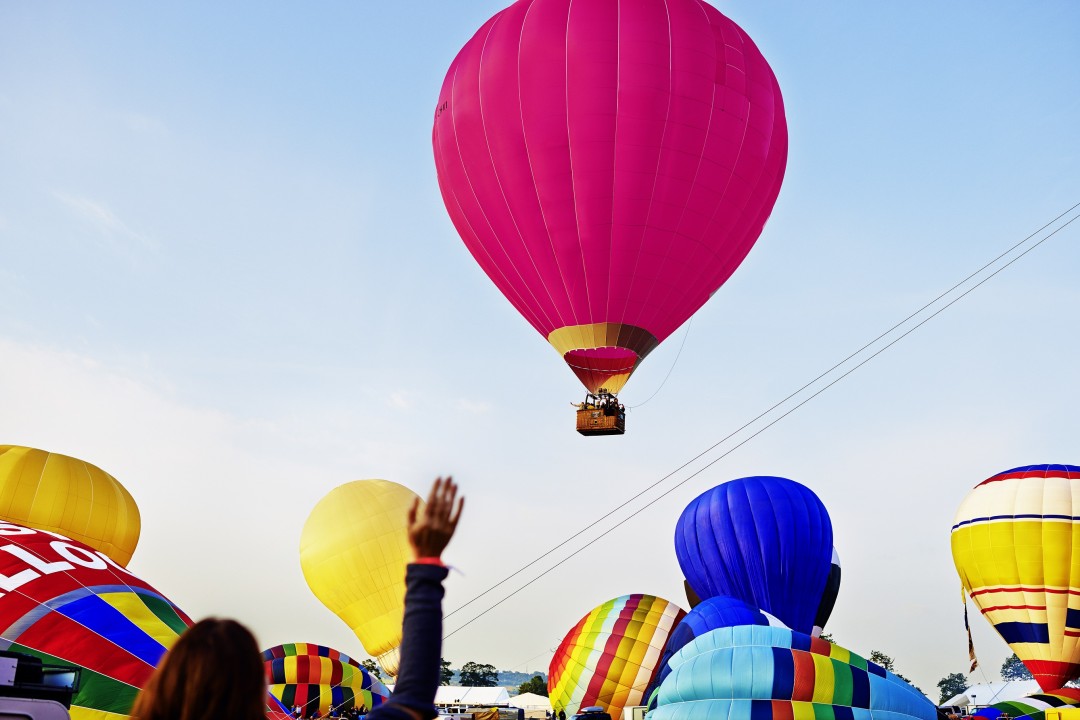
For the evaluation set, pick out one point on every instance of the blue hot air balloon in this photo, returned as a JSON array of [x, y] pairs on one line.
[[767, 541]]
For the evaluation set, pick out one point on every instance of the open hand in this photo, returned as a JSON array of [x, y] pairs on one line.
[[430, 531]]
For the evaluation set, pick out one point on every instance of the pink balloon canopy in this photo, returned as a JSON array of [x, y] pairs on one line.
[[609, 164]]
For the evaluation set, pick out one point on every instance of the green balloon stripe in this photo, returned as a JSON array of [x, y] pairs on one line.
[[164, 612], [96, 691]]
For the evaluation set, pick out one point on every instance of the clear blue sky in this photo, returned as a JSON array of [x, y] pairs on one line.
[[226, 277]]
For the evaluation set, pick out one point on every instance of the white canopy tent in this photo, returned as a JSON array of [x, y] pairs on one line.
[[464, 695], [535, 706], [985, 694]]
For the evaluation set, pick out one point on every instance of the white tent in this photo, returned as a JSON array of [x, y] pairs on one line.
[[989, 693], [464, 695], [535, 706]]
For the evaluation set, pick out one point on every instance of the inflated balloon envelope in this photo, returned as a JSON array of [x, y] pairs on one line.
[[353, 551], [50, 491], [716, 612], [1032, 707], [765, 540], [609, 165], [612, 654], [317, 677], [1016, 547], [70, 604], [769, 673]]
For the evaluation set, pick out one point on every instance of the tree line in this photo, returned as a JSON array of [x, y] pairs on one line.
[[474, 674]]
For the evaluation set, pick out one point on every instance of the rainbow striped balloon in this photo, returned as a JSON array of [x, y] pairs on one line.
[[1015, 542], [320, 678], [610, 657], [1032, 707], [752, 672]]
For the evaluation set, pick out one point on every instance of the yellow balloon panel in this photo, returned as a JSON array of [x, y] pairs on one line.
[[353, 551], [1016, 547], [62, 494]]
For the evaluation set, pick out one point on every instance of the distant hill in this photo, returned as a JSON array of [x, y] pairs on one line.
[[508, 678]]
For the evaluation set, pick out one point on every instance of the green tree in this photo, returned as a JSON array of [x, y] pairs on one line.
[[950, 685], [1013, 669], [372, 667], [827, 637], [446, 675], [876, 656], [535, 684], [477, 675], [886, 661]]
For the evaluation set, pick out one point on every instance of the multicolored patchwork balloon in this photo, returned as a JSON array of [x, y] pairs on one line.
[[609, 165], [49, 491], [316, 677], [773, 673], [1032, 707], [609, 658], [716, 612], [767, 541], [70, 604], [1016, 544]]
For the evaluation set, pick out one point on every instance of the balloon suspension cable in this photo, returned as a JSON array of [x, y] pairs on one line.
[[765, 413], [670, 369]]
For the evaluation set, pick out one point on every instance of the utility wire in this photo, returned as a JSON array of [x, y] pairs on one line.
[[735, 432], [682, 482]]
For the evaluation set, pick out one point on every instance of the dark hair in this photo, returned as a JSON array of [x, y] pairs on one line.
[[214, 670]]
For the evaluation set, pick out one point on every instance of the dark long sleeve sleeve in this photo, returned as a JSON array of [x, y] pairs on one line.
[[421, 647]]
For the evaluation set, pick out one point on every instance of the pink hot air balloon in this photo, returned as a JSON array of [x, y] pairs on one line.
[[609, 164]]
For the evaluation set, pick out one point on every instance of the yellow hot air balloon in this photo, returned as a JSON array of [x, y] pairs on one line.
[[1016, 546], [353, 551], [62, 494]]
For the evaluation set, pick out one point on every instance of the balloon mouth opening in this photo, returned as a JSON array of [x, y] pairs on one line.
[[606, 359]]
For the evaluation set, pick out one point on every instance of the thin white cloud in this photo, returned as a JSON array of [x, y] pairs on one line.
[[144, 124], [475, 407], [400, 399], [222, 498], [98, 216]]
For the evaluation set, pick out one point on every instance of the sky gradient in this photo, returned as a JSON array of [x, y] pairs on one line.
[[227, 278]]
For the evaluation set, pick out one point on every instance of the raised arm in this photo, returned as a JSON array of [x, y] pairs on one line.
[[421, 637]]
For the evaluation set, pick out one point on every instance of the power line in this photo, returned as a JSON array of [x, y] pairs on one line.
[[682, 482], [757, 432], [735, 432]]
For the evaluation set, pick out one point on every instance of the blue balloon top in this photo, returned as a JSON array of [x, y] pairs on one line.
[[767, 541]]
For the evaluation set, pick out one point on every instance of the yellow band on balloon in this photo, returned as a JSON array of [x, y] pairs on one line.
[[601, 335]]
